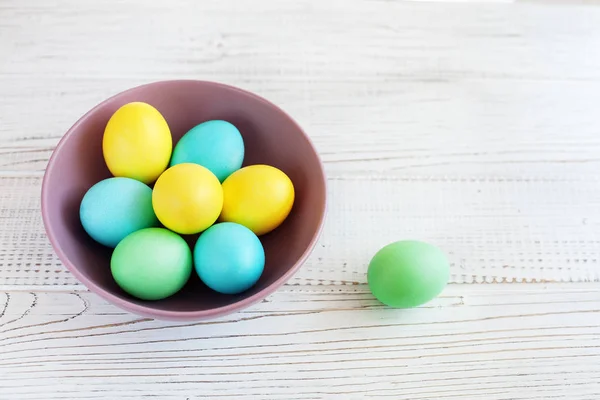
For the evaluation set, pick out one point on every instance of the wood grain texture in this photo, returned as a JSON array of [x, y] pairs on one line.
[[495, 342], [380, 85], [473, 126], [494, 230]]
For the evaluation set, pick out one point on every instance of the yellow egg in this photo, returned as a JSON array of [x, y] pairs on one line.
[[260, 197], [187, 198], [137, 142]]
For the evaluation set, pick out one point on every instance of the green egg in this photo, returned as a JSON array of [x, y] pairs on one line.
[[408, 273], [152, 263]]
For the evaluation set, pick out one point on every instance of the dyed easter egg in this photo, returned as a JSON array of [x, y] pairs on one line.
[[187, 198], [229, 258], [114, 208], [408, 273], [151, 264], [137, 142], [216, 145], [260, 197]]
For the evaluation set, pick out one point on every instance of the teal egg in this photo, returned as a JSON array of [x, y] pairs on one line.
[[116, 207], [229, 258], [216, 145], [152, 263]]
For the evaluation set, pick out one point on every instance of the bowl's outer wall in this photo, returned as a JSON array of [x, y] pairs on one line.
[[270, 137]]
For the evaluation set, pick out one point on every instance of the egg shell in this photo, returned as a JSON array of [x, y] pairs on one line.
[[408, 273], [152, 263], [229, 258], [137, 142], [187, 198], [216, 145], [260, 197], [116, 207]]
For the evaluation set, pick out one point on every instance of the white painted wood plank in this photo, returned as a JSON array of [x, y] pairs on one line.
[[434, 129], [470, 125], [494, 230], [494, 90], [473, 342], [355, 38]]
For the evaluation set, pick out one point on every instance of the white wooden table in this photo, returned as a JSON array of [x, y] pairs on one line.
[[475, 126]]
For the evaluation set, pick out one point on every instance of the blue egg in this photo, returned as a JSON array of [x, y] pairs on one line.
[[229, 258], [114, 208], [216, 145]]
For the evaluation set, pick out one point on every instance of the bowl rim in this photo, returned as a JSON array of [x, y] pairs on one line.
[[149, 311]]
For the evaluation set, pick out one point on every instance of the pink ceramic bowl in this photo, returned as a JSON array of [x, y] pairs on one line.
[[271, 137]]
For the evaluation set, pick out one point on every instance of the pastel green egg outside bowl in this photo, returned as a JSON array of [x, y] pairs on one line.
[[408, 273], [270, 137]]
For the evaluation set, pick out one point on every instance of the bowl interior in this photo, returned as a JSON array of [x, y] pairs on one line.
[[270, 137]]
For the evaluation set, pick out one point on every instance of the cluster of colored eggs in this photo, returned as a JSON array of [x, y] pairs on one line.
[[199, 186]]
